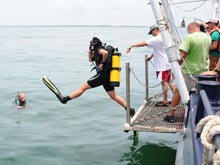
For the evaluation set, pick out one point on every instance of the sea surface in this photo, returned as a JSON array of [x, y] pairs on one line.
[[87, 130]]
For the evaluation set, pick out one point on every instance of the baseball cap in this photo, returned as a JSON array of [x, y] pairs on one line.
[[213, 20], [152, 28]]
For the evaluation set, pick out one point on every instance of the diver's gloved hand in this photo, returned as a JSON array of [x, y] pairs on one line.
[[97, 69]]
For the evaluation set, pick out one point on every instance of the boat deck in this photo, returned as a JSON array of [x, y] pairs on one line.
[[150, 118]]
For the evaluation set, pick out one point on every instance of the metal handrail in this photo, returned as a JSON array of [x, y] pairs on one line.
[[206, 103], [127, 65], [206, 109], [146, 78]]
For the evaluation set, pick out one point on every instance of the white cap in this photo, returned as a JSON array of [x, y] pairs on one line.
[[213, 20], [152, 28]]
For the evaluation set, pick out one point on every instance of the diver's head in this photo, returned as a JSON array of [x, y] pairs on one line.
[[21, 98], [95, 43]]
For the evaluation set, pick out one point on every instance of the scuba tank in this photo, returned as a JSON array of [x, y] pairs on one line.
[[115, 69]]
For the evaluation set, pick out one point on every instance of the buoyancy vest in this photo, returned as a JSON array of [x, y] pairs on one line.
[[108, 63], [218, 45], [20, 103], [98, 57]]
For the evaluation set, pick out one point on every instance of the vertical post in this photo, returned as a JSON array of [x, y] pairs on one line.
[[128, 93], [146, 78], [215, 8], [170, 47]]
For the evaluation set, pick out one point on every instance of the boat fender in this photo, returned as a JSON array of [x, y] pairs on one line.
[[126, 127]]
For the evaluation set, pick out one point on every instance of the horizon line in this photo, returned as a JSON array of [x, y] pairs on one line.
[[73, 26]]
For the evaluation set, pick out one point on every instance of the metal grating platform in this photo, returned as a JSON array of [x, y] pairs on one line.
[[150, 118]]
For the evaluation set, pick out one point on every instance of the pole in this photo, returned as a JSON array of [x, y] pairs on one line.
[[128, 93], [170, 48], [215, 8], [146, 79]]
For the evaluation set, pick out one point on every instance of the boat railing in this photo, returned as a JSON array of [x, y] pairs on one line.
[[128, 93], [128, 71], [203, 109], [149, 117]]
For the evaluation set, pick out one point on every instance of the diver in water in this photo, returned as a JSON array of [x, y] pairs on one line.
[[20, 100]]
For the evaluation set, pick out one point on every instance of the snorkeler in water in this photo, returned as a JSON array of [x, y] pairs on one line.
[[20, 100]]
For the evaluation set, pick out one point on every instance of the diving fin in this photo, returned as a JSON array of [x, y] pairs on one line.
[[53, 88]]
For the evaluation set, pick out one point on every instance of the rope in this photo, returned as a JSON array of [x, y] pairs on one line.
[[147, 86], [191, 76], [141, 83], [156, 96], [189, 10], [216, 158], [209, 127]]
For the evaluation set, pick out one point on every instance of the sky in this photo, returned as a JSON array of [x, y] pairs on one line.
[[90, 12]]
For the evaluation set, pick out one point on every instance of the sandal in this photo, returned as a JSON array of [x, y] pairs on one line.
[[162, 104], [169, 119]]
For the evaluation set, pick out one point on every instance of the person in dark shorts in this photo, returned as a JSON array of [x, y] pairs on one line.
[[98, 54]]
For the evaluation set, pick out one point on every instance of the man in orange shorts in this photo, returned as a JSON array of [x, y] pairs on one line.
[[161, 62]]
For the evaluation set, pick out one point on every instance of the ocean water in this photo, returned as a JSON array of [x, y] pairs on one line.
[[87, 130]]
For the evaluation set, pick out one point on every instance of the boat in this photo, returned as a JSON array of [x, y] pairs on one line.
[[198, 122]]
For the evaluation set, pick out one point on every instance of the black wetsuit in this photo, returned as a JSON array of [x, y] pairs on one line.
[[102, 77]]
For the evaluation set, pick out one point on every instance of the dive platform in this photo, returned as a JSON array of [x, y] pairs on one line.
[[150, 115], [150, 118]]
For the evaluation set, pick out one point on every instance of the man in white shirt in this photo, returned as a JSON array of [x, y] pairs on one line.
[[161, 62]]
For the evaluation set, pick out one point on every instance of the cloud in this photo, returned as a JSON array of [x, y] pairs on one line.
[[115, 12], [83, 12]]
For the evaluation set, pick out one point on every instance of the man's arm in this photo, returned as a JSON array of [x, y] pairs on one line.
[[183, 55], [90, 55], [214, 45], [104, 54], [139, 44]]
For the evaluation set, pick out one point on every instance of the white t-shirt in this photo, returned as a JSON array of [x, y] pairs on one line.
[[161, 61]]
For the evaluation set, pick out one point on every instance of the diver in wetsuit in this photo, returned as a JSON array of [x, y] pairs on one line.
[[98, 54]]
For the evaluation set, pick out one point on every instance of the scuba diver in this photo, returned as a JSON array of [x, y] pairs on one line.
[[97, 54]]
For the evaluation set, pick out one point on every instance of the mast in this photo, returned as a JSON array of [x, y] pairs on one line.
[[171, 24], [215, 8], [171, 47]]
